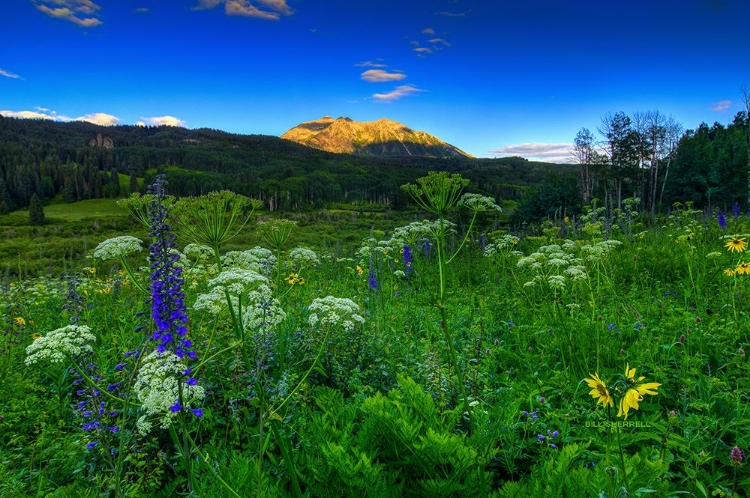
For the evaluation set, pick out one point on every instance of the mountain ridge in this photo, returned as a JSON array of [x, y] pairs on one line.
[[383, 137]]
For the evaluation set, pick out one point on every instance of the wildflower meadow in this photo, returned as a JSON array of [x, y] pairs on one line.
[[602, 356]]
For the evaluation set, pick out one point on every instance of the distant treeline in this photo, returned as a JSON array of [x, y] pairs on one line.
[[644, 156], [79, 160]]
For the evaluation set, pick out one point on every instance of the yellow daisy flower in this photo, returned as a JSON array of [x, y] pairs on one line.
[[599, 391], [742, 269], [634, 394], [729, 272], [20, 320], [630, 400], [736, 244]]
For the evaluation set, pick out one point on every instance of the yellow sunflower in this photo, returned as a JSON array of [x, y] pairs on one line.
[[736, 244], [599, 391]]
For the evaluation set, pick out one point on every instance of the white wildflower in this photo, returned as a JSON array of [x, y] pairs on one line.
[[237, 281], [198, 252], [301, 256], [479, 203], [69, 341], [556, 282], [215, 301], [157, 388], [334, 311], [117, 247], [263, 311]]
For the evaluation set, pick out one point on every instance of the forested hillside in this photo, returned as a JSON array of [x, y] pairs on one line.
[[77, 160]]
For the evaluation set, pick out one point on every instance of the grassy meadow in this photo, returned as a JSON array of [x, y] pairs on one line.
[[349, 354]]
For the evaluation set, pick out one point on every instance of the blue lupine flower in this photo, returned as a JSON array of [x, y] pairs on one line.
[[736, 208], [722, 220], [92, 445]]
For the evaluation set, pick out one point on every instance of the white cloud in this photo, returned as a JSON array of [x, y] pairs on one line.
[[553, 153], [248, 8], [721, 105], [26, 115], [422, 50], [162, 121], [399, 92], [80, 12], [99, 118], [428, 31], [379, 76], [8, 74], [439, 40], [370, 64]]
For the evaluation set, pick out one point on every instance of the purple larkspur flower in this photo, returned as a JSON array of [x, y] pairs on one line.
[[408, 259], [167, 299], [372, 281], [722, 220]]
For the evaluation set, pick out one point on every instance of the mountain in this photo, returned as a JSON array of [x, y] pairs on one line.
[[375, 138]]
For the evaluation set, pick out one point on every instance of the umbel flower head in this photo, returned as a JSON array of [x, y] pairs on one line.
[[117, 247], [70, 341], [158, 389]]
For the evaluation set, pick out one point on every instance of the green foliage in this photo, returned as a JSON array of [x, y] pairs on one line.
[[394, 445]]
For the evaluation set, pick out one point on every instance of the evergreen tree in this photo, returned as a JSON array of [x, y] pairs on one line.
[[36, 211], [133, 181], [6, 204]]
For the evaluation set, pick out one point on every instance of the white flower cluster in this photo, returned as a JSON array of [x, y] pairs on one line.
[[69, 341], [301, 256], [198, 252], [505, 244], [215, 301], [597, 252], [479, 203], [238, 281], [331, 310], [553, 264], [263, 311], [157, 388], [117, 247], [258, 259]]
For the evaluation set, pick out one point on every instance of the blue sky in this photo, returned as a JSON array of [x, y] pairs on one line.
[[492, 77]]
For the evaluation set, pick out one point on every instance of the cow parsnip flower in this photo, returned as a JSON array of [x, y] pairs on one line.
[[55, 346], [117, 247]]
